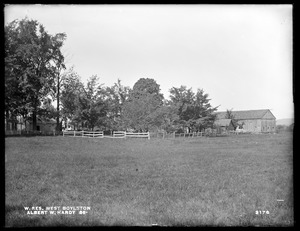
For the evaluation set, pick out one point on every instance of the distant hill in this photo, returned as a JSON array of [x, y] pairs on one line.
[[286, 122]]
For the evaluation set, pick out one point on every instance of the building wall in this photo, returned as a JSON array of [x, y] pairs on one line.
[[259, 125], [44, 127], [268, 125], [268, 122], [269, 115], [251, 125], [48, 127]]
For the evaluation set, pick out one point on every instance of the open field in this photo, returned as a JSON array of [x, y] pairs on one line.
[[217, 181]]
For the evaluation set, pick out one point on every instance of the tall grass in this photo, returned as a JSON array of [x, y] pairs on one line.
[[220, 181]]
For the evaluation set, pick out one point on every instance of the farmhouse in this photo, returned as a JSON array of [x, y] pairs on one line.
[[253, 120], [19, 124]]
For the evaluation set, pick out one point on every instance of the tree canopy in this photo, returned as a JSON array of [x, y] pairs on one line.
[[140, 108], [32, 57], [194, 110], [35, 70]]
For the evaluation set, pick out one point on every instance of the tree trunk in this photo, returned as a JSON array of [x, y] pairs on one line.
[[34, 119], [57, 107], [7, 119]]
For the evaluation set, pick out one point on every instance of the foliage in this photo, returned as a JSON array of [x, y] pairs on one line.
[[34, 70], [230, 115], [140, 109], [193, 109], [115, 99], [32, 57], [281, 127], [92, 108], [71, 88]]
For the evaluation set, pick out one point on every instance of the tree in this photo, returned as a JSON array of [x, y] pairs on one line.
[[115, 99], [71, 89], [165, 118], [140, 109], [17, 101], [235, 122], [92, 107], [59, 66], [194, 110], [32, 57], [230, 115]]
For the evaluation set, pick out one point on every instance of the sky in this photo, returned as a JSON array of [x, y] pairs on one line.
[[240, 55]]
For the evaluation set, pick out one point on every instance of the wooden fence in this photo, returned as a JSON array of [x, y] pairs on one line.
[[116, 134], [119, 134], [83, 134], [192, 134], [137, 134], [124, 134], [164, 135]]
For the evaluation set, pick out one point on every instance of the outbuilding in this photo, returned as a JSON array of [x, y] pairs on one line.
[[224, 125]]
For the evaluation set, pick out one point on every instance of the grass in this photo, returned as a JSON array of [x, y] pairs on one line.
[[219, 181]]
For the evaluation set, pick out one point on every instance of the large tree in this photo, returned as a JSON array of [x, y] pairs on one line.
[[92, 107], [140, 110], [194, 110], [115, 99], [32, 58], [71, 89]]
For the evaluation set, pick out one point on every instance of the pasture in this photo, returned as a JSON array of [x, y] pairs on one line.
[[201, 181]]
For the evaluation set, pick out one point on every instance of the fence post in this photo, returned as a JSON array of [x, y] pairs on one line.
[[125, 134], [148, 135]]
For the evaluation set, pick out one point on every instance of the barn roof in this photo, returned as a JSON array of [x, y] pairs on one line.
[[243, 115], [223, 122]]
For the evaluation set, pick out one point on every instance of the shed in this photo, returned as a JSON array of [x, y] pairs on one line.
[[224, 125], [43, 125]]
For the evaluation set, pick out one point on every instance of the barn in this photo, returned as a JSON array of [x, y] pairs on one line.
[[253, 120]]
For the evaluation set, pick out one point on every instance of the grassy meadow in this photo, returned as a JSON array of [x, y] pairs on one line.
[[203, 181]]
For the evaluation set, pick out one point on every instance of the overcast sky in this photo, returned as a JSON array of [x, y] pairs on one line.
[[241, 55]]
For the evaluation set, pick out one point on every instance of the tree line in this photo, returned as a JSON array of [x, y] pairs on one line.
[[36, 76]]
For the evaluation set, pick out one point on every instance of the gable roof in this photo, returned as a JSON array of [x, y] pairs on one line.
[[223, 122], [243, 115]]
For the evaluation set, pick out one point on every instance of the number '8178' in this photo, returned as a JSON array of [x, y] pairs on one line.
[[257, 212]]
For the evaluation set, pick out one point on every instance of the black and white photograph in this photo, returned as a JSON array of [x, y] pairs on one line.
[[168, 115]]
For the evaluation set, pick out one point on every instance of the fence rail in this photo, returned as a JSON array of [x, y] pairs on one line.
[[137, 135], [119, 134], [92, 134], [116, 134], [83, 134]]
